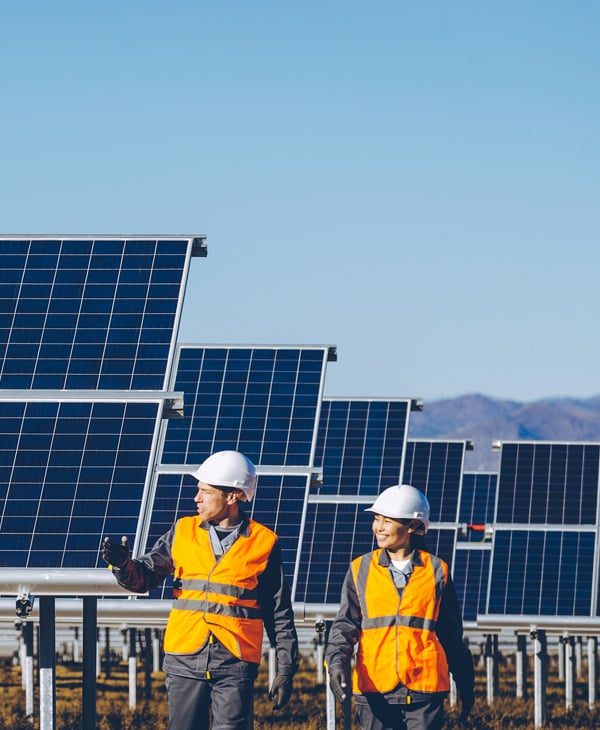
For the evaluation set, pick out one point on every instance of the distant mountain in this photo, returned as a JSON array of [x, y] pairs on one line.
[[483, 420]]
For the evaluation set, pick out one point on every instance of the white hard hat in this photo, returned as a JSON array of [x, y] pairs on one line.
[[228, 469], [402, 502]]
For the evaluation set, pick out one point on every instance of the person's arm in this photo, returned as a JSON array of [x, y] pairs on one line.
[[343, 636], [450, 633], [277, 613], [148, 571]]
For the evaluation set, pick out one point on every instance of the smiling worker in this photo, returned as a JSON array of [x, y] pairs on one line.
[[399, 605], [228, 585]]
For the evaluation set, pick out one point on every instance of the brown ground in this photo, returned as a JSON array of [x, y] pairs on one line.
[[306, 710]]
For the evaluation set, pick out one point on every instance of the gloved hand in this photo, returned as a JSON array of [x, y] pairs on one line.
[[467, 701], [281, 690], [115, 554], [339, 683]]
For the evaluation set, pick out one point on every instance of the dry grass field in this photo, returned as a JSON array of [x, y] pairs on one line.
[[306, 710]]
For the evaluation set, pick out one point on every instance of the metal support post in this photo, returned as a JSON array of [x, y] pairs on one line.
[[520, 665], [320, 627], [132, 669], [540, 676], [27, 668], [107, 666], [156, 651], [578, 657], [561, 658], [592, 653], [492, 669], [272, 665], [47, 664], [90, 642], [569, 672]]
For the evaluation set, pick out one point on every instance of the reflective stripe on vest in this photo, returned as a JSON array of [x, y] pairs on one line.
[[398, 643], [217, 596]]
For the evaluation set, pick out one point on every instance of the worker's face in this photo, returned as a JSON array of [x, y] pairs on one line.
[[213, 504], [391, 534]]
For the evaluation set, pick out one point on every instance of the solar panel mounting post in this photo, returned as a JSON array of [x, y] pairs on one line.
[[47, 659], [90, 640]]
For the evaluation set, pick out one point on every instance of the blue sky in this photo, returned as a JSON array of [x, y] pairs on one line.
[[415, 183]]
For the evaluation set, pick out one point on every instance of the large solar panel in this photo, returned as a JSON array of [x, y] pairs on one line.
[[360, 448], [263, 401], [542, 572], [90, 313], [436, 467], [548, 483], [70, 473]]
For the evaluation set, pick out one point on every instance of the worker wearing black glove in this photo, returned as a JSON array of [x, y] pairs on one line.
[[281, 690], [115, 554]]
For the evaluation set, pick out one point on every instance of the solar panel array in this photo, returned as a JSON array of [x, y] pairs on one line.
[[90, 381]]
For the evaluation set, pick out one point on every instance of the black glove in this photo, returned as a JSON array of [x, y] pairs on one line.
[[339, 683], [115, 554], [282, 690]]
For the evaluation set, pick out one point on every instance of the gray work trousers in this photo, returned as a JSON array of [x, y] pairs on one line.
[[227, 701], [378, 714]]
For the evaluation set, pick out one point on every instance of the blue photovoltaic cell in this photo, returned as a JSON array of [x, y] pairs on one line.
[[435, 467], [89, 314], [542, 573], [70, 473], [360, 444], [477, 503], [441, 542], [334, 535], [470, 573], [262, 401], [548, 483], [278, 504]]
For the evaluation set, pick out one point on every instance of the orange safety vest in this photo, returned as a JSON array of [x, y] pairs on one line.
[[218, 597], [398, 643]]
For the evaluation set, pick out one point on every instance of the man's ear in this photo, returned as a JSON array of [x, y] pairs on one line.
[[239, 495]]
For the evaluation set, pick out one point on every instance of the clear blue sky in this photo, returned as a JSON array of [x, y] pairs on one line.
[[415, 183]]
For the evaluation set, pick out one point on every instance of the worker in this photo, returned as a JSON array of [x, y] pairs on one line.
[[228, 585], [398, 604]]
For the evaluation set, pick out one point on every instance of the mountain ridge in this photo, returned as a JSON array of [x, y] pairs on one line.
[[483, 420]]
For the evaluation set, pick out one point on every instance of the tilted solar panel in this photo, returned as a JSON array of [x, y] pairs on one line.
[[70, 473], [436, 467], [471, 573], [548, 483], [91, 313], [263, 401], [542, 572], [360, 448]]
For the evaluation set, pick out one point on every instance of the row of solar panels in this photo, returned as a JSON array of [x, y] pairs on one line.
[[90, 370]]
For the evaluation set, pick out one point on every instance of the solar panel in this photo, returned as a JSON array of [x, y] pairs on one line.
[[471, 573], [436, 467], [542, 572], [548, 483], [263, 401], [477, 504], [90, 313], [70, 473], [360, 448], [361, 444]]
